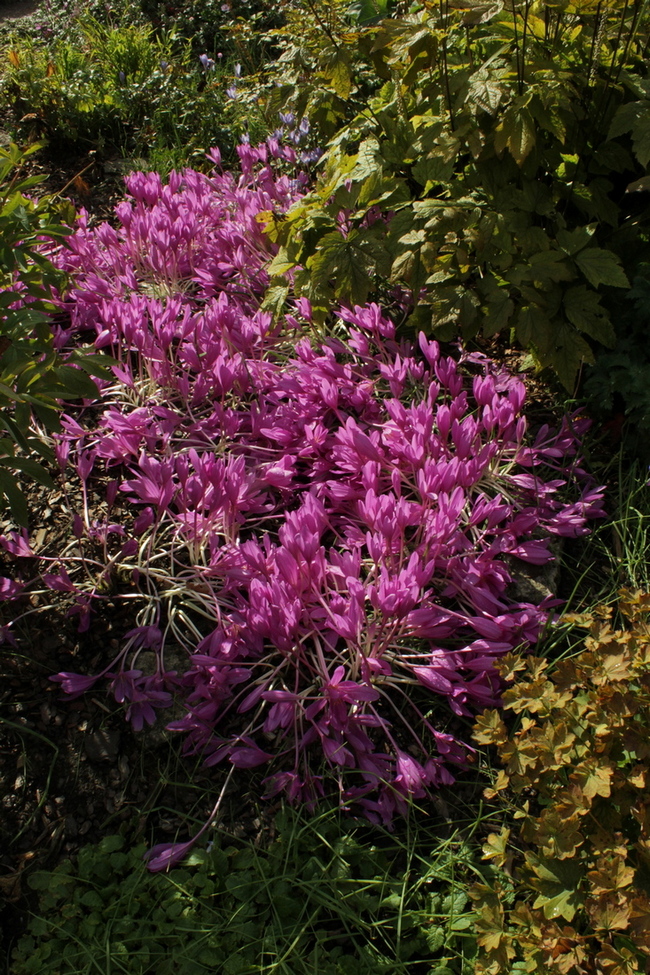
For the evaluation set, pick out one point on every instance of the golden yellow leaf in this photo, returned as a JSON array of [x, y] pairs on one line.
[[613, 962], [609, 912], [593, 779], [612, 873], [489, 729], [496, 847]]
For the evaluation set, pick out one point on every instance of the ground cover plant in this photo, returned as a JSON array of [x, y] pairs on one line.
[[324, 894], [299, 516], [575, 770]]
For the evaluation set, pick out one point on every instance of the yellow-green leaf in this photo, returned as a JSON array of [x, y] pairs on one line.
[[601, 266]]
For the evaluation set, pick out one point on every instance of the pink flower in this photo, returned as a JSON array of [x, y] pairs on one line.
[[74, 684], [164, 856]]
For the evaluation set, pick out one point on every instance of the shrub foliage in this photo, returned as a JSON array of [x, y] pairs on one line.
[[479, 156], [34, 378], [575, 777]]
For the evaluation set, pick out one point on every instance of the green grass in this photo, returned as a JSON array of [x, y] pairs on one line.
[[312, 893]]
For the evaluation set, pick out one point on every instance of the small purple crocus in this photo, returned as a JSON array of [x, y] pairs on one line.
[[164, 856], [74, 685], [207, 63]]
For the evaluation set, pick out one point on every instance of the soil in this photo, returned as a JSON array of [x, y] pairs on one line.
[[18, 9]]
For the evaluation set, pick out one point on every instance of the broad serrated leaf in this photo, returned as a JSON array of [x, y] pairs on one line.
[[533, 328], [486, 90], [280, 264], [275, 298], [583, 309], [346, 263], [498, 313], [517, 133], [386, 190], [641, 135], [478, 11], [625, 119], [490, 729], [568, 354], [432, 170], [369, 160], [403, 266], [548, 265], [572, 241], [601, 266], [612, 874], [558, 885], [339, 74], [496, 847]]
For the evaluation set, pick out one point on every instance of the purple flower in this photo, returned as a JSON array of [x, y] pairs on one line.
[[74, 684], [164, 856], [17, 544], [10, 588], [325, 531], [411, 778], [206, 62]]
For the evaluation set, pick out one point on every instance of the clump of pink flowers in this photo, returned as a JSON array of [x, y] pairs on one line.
[[321, 529]]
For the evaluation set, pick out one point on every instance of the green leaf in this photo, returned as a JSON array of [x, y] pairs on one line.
[[403, 266], [572, 241], [583, 309], [499, 312], [557, 883], [517, 133], [280, 264], [568, 353], [533, 328], [17, 502], [369, 160], [486, 90], [432, 170], [601, 266], [275, 298], [91, 899], [76, 384], [30, 467], [625, 119], [347, 263], [641, 136], [548, 265], [339, 74]]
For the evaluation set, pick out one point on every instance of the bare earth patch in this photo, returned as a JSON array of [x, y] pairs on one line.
[[18, 9]]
